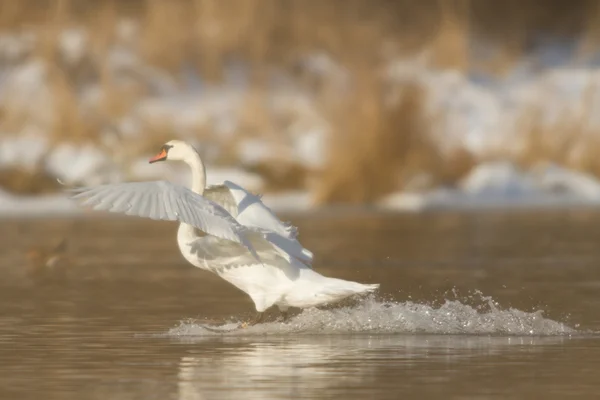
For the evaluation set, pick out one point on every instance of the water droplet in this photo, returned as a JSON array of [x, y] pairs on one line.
[[176, 214], [129, 205]]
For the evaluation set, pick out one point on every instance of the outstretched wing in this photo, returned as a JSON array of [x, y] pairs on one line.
[[250, 211], [248, 208], [162, 200]]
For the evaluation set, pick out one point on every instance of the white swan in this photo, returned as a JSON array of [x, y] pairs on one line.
[[229, 231]]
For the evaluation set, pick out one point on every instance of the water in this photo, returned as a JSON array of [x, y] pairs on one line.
[[471, 306]]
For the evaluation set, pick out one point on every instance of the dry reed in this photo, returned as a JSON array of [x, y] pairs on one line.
[[567, 140]]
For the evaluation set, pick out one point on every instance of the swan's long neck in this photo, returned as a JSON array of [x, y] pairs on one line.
[[187, 232], [198, 172]]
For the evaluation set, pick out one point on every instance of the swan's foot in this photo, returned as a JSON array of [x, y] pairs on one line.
[[257, 319]]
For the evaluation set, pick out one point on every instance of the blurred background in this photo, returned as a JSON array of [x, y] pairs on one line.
[[357, 105], [311, 102]]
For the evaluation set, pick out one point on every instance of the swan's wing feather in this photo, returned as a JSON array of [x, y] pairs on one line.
[[286, 247], [221, 195], [162, 200], [250, 211], [211, 250]]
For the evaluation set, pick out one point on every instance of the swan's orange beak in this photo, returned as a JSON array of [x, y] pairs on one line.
[[159, 157]]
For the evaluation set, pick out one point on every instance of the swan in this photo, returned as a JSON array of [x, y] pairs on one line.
[[228, 231]]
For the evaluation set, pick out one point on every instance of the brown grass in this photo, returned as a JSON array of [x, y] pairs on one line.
[[381, 147], [23, 181], [375, 148], [369, 150], [570, 141]]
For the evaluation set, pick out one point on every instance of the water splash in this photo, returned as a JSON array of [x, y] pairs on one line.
[[378, 317]]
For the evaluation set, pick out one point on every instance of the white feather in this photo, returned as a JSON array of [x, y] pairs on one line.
[[162, 200], [249, 210]]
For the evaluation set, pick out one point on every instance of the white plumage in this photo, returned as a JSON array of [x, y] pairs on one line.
[[167, 201], [228, 231]]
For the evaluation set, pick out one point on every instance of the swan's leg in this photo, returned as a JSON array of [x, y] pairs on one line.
[[284, 313]]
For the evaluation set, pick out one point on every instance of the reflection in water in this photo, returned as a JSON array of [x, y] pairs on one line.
[[100, 329], [308, 367]]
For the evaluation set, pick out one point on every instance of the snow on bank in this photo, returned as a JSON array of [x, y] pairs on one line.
[[501, 185], [45, 205], [61, 205], [495, 185]]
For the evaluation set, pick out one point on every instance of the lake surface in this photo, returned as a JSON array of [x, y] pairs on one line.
[[472, 306]]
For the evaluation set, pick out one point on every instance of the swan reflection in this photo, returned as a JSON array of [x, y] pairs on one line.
[[322, 366]]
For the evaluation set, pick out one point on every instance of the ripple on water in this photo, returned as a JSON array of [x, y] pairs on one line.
[[373, 316]]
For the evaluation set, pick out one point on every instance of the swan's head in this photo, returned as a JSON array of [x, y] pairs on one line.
[[175, 150]]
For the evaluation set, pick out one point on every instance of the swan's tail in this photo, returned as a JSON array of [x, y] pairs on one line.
[[340, 289], [314, 289]]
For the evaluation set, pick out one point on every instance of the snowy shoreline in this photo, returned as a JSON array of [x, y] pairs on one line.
[[490, 186], [232, 126]]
